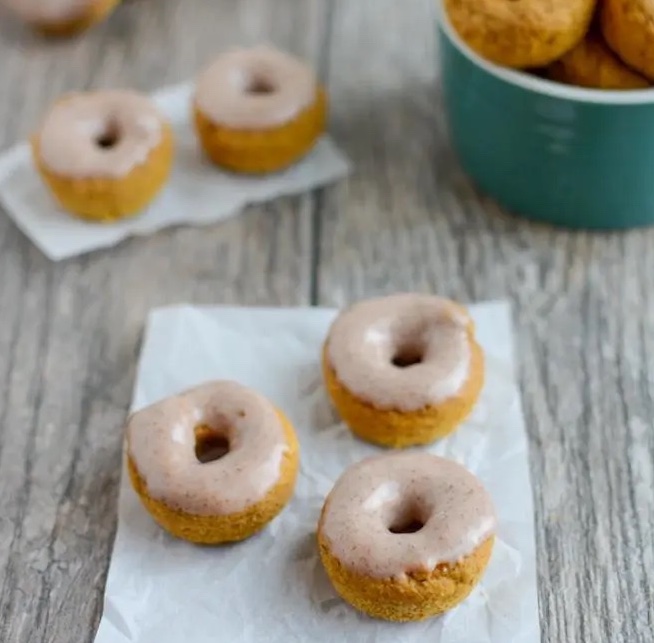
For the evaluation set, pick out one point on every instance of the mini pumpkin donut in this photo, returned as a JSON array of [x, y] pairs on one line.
[[592, 64], [403, 370], [525, 34], [407, 536], [628, 27], [104, 155], [213, 464], [258, 110], [61, 17]]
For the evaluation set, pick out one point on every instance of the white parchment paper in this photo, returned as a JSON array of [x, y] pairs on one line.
[[197, 193], [272, 587]]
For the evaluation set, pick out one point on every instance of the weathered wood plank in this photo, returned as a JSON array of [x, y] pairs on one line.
[[70, 332], [408, 220], [583, 304]]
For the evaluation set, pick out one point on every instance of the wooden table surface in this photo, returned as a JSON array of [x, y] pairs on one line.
[[408, 219]]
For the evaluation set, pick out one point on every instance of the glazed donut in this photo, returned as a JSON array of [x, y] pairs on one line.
[[213, 464], [403, 370], [592, 64], [530, 33], [406, 536], [61, 17], [104, 155], [628, 27], [258, 110]]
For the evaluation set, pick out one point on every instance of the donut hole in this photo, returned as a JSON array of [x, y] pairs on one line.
[[408, 354], [260, 86], [409, 521], [409, 526], [109, 137], [210, 444]]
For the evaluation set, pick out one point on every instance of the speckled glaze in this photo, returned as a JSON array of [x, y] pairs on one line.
[[575, 157], [161, 443], [47, 10], [365, 338], [373, 495], [225, 90], [68, 138]]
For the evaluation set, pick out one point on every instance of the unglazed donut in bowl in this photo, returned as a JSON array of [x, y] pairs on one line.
[[214, 464], [403, 370], [628, 26], [525, 34], [575, 156], [61, 17], [104, 155], [407, 536], [592, 64], [258, 110]]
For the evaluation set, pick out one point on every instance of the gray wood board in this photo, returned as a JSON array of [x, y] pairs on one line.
[[407, 220], [583, 308], [70, 332]]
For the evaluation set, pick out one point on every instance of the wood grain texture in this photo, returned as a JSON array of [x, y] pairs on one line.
[[583, 305], [408, 219], [70, 332]]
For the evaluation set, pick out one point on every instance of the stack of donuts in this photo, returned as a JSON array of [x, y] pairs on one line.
[[105, 155], [601, 44], [404, 535]]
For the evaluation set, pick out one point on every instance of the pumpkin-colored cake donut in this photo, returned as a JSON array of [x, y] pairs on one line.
[[213, 464], [258, 110], [529, 33], [406, 536], [61, 17], [592, 64], [104, 155], [628, 27], [403, 370]]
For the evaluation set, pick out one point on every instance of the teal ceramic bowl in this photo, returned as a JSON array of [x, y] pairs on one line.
[[574, 157]]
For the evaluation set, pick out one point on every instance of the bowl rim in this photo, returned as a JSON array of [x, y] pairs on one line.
[[541, 85]]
